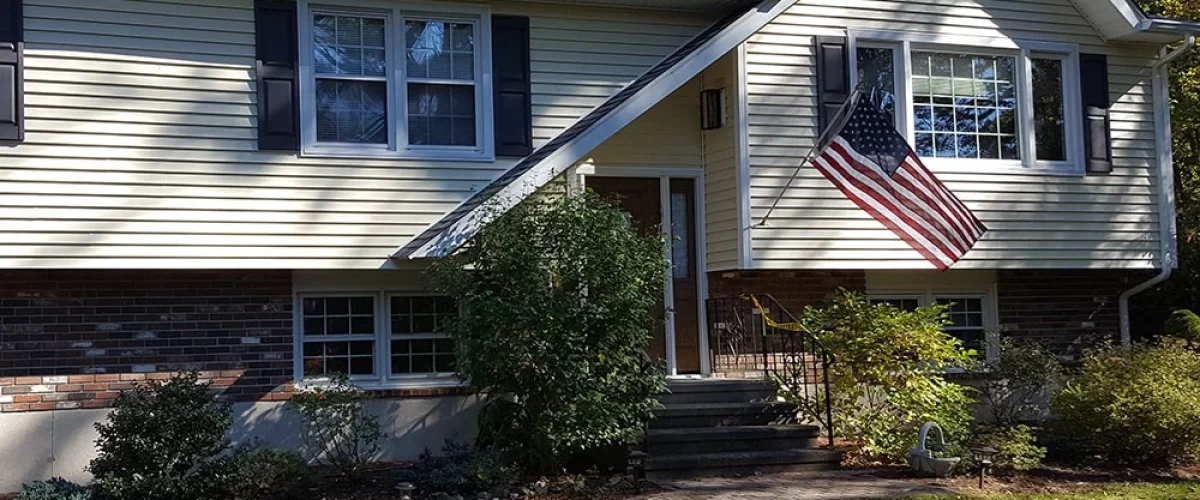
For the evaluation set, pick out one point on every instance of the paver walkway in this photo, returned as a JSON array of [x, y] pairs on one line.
[[793, 486]]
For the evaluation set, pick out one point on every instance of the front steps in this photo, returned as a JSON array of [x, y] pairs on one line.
[[730, 427]]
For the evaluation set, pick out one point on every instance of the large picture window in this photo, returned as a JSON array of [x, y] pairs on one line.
[[376, 338], [395, 82], [976, 107]]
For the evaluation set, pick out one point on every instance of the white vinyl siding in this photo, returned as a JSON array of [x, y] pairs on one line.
[[1036, 220], [141, 149]]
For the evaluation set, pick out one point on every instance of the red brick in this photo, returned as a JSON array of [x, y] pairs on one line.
[[41, 406], [111, 377], [6, 381], [132, 377], [27, 398], [68, 388], [95, 387], [14, 407], [27, 380], [81, 379]]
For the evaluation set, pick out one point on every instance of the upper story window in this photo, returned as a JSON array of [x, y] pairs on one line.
[[395, 82], [982, 108]]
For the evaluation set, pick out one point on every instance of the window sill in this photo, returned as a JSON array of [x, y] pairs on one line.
[[368, 153], [1011, 167], [433, 381]]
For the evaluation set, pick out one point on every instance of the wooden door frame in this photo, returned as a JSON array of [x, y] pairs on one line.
[[664, 176]]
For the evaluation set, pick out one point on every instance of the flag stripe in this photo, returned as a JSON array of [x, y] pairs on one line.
[[863, 178], [910, 181], [947, 196], [942, 262], [930, 212]]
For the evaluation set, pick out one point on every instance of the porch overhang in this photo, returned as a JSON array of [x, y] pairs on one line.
[[569, 147]]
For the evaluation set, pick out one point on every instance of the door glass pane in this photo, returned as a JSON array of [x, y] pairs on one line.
[[877, 77], [1048, 104], [681, 236]]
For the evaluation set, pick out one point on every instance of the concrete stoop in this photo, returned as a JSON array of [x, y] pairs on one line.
[[717, 427]]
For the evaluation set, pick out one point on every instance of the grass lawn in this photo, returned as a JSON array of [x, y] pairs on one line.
[[1143, 491]]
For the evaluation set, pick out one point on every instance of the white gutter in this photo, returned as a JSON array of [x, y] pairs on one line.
[[1166, 183]]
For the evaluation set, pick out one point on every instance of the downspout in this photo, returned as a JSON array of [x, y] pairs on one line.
[[1166, 183]]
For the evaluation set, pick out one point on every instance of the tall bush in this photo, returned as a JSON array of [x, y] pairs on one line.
[[558, 302], [1138, 406], [889, 375], [161, 441]]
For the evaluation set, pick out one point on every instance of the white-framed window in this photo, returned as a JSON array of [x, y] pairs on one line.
[[979, 107], [395, 80], [380, 339], [971, 312]]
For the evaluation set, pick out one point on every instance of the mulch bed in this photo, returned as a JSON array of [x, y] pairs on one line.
[[1046, 480]]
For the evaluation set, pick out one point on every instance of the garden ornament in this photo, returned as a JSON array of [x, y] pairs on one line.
[[921, 458]]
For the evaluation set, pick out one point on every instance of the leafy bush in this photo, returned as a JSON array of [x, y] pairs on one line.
[[559, 298], [1018, 384], [335, 425], [1139, 406], [55, 488], [266, 474], [464, 470], [160, 440], [889, 375], [1017, 445], [1183, 324]]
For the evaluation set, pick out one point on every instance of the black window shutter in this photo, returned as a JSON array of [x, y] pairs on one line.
[[512, 96], [278, 96], [12, 98], [833, 76], [1093, 69]]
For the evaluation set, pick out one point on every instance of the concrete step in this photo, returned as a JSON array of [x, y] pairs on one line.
[[678, 416], [717, 391], [661, 442], [742, 463]]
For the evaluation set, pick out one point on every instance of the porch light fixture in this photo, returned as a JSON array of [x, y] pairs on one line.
[[984, 455], [712, 109]]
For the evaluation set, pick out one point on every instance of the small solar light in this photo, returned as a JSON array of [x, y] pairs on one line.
[[637, 468], [984, 455]]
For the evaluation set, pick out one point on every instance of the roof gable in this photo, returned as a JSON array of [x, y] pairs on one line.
[[1122, 20], [567, 148]]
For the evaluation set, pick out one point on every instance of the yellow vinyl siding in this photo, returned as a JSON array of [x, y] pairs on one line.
[[720, 171], [1105, 221], [141, 149]]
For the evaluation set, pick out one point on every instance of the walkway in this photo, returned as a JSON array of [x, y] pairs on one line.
[[841, 485]]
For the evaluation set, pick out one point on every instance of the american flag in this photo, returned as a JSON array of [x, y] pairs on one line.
[[873, 165]]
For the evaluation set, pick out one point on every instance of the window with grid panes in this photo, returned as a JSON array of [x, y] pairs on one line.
[[338, 335], [966, 320], [965, 106], [907, 304], [418, 344]]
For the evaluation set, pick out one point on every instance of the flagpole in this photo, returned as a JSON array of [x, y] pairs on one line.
[[821, 139]]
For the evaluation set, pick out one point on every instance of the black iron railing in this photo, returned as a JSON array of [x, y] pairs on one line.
[[762, 338]]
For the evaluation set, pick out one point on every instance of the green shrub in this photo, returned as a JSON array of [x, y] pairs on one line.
[[160, 442], [1183, 324], [55, 488], [1138, 407], [1019, 383], [1017, 445], [336, 428], [267, 474], [559, 299], [464, 470], [889, 375]]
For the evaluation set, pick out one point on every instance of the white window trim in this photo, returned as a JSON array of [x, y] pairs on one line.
[[395, 14], [904, 43], [928, 294], [383, 378], [409, 378]]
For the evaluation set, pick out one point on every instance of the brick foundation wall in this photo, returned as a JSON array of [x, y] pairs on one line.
[[73, 339], [793, 289], [1068, 310]]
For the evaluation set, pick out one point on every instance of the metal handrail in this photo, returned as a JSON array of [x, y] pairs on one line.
[[746, 335]]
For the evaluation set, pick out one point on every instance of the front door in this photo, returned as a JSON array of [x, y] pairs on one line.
[[641, 198]]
